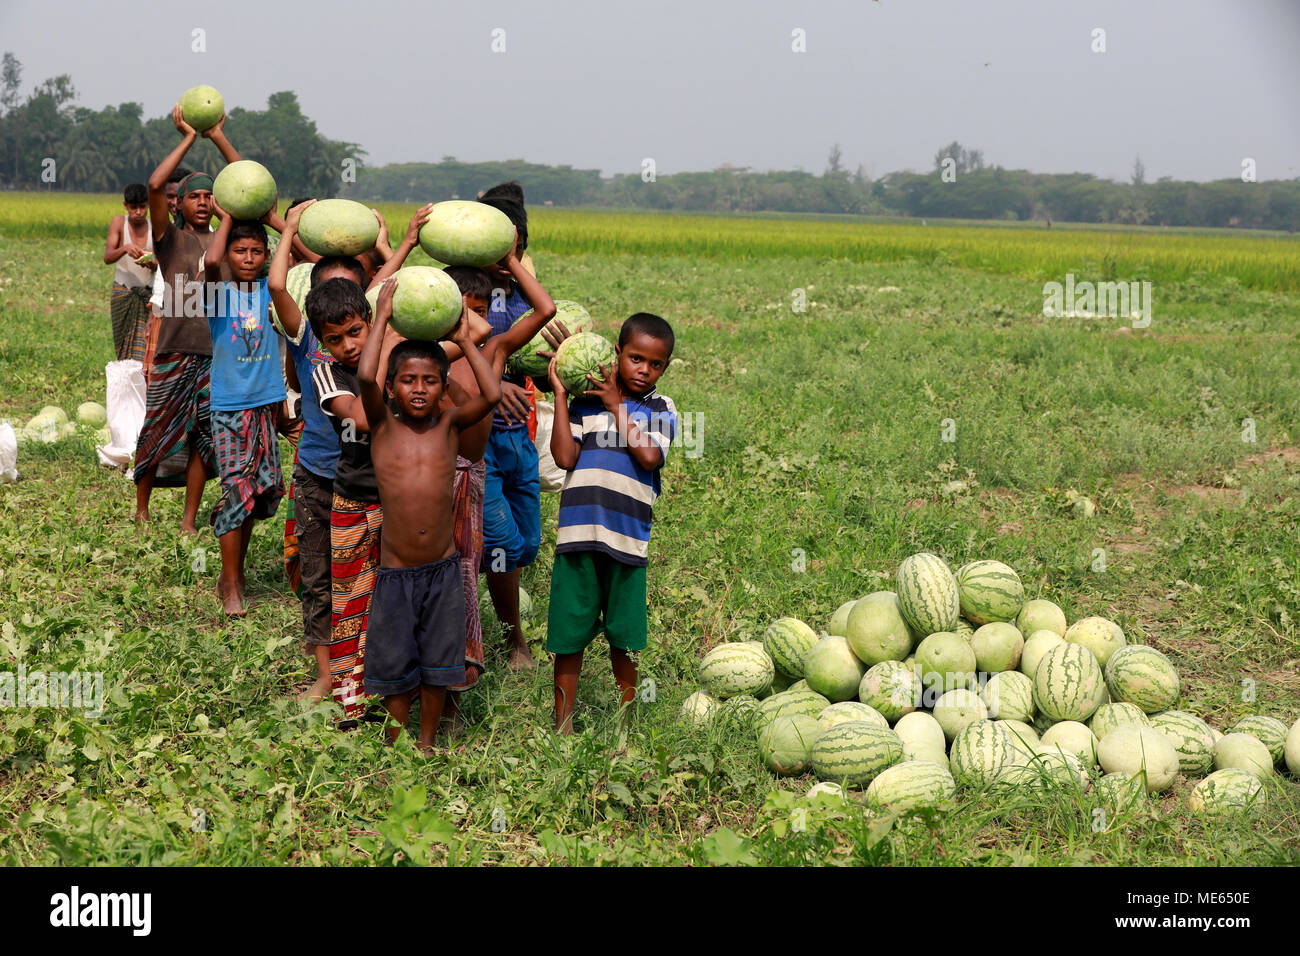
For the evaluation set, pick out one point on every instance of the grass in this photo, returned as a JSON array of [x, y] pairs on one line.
[[821, 466]]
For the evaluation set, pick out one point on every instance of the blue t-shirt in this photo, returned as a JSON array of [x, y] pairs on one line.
[[318, 447], [245, 349], [501, 315]]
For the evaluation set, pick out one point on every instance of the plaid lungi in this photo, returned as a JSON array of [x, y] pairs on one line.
[[176, 413], [248, 457], [354, 547], [128, 306], [467, 533]]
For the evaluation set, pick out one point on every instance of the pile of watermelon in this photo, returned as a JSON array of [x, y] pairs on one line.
[[52, 424], [957, 681]]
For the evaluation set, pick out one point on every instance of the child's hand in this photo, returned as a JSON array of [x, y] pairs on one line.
[[217, 210], [269, 215], [554, 333], [384, 304], [606, 391], [382, 239], [178, 119], [461, 334], [134, 250], [291, 220], [215, 128], [513, 254], [556, 385], [419, 219]]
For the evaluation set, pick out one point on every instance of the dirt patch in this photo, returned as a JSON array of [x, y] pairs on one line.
[[1288, 455], [1010, 527], [1209, 493]]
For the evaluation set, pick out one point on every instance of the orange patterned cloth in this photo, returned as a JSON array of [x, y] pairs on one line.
[[467, 532], [354, 546]]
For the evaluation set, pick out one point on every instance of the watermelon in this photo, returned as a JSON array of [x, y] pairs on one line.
[[50, 413], [1132, 749], [957, 709], [526, 360], [1098, 635], [1023, 737], [892, 688], [1109, 716], [786, 743], [916, 751], [1036, 645], [910, 786], [1269, 731], [741, 710], [92, 415], [788, 640], [1074, 738], [787, 704], [202, 107], [298, 283], [832, 670], [732, 669], [824, 788], [963, 629], [1040, 615], [1042, 723], [699, 708], [780, 682], [245, 189], [427, 303], [1067, 683], [1120, 792], [997, 647], [1291, 748], [875, 629], [927, 593], [1045, 771], [525, 604], [801, 684], [920, 728], [989, 591], [1227, 791], [580, 355], [1142, 675], [1243, 752], [853, 754], [1191, 737], [848, 710], [466, 233], [839, 623], [945, 661], [340, 227], [979, 751], [1009, 696]]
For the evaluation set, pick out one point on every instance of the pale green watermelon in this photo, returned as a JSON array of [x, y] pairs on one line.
[[1040, 615], [1067, 683], [875, 629], [1243, 752], [979, 751], [1192, 737], [839, 622], [1269, 731], [1109, 716], [832, 670], [341, 227], [849, 710], [787, 704], [1036, 645], [1023, 737], [741, 710], [201, 107], [786, 744], [527, 361], [466, 233], [945, 661], [989, 591], [908, 786], [927, 593], [92, 415], [699, 708], [1143, 676], [1291, 748], [788, 640], [1098, 635], [957, 709], [997, 647], [1132, 749], [853, 754], [738, 668], [245, 189], [1074, 738], [580, 355], [921, 729], [1120, 792], [1227, 791], [892, 688]]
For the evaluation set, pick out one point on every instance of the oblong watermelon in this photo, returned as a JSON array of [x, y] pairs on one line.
[[978, 752], [466, 233], [1192, 737], [788, 640], [853, 754], [927, 593], [1143, 676], [908, 786], [1227, 791], [785, 744], [1067, 683], [989, 591], [737, 668], [338, 227]]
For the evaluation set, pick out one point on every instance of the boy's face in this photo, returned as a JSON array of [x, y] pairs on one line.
[[417, 387], [172, 202], [197, 207], [245, 257], [477, 304], [136, 213], [345, 340], [338, 272], [641, 361]]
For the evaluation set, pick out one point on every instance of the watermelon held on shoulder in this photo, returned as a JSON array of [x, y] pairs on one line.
[[527, 360], [581, 355]]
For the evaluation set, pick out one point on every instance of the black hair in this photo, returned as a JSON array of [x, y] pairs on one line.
[[246, 229], [471, 280], [647, 323], [331, 302], [509, 198], [416, 349], [180, 173], [371, 260], [136, 194], [299, 201], [325, 263]]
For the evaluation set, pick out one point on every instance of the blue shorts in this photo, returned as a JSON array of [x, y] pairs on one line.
[[416, 631], [512, 501]]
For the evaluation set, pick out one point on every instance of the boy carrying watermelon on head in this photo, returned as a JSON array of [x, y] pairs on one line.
[[617, 442]]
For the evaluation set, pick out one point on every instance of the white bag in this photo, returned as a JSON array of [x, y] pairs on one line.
[[551, 474], [8, 454], [125, 405]]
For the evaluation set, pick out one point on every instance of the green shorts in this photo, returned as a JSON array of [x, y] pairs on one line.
[[587, 586]]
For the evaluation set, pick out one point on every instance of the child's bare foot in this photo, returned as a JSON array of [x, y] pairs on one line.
[[189, 528], [231, 602], [318, 691], [142, 517], [520, 657]]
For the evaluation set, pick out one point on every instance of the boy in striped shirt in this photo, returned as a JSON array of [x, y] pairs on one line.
[[620, 430]]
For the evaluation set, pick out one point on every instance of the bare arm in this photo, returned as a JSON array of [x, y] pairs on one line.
[[216, 253], [396, 257], [159, 218], [519, 334], [479, 330], [639, 445], [218, 136], [276, 222], [285, 307], [563, 448], [113, 248], [489, 384], [372, 398]]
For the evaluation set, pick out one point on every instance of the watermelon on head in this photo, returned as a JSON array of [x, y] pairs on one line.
[[201, 107], [339, 227], [581, 355], [426, 304], [466, 233], [526, 360], [245, 189]]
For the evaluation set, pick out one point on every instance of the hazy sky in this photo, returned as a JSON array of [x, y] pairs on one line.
[[1193, 85]]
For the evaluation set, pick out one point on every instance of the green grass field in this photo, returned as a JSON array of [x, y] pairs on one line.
[[820, 466]]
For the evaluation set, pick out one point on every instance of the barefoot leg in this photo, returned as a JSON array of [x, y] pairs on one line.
[[567, 668], [232, 601], [143, 490], [320, 688], [195, 478], [625, 677], [431, 705], [504, 588], [399, 708]]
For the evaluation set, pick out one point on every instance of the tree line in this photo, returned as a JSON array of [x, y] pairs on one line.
[[48, 142]]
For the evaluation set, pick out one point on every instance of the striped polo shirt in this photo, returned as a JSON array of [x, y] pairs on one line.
[[503, 312], [608, 499]]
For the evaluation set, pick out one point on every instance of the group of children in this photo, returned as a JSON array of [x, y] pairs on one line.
[[414, 467]]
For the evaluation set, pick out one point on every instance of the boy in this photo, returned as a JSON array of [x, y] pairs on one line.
[[247, 390], [417, 628], [130, 247], [619, 435]]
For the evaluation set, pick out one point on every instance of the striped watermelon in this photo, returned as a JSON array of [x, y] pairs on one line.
[[1036, 645], [850, 710], [737, 668], [908, 786], [920, 728], [1009, 695], [1040, 615], [780, 682], [1074, 738], [740, 710], [1056, 768], [1142, 675], [527, 360], [833, 670], [875, 629], [699, 708], [989, 591], [1191, 737], [1243, 752], [787, 704], [1291, 749], [800, 684], [957, 709], [892, 688], [581, 355], [1132, 749], [839, 623], [787, 640], [824, 788], [963, 629], [1227, 791], [1120, 792], [927, 593], [1110, 716], [978, 752], [853, 754], [1098, 635], [1269, 731], [1023, 737], [786, 743], [1067, 683], [997, 647]]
